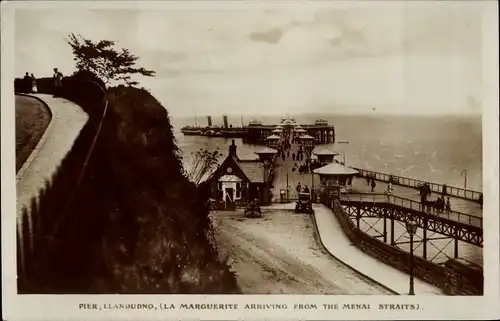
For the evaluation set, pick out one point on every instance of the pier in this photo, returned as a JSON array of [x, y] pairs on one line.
[[256, 132]]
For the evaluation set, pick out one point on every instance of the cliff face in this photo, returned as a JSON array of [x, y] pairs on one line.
[[136, 223], [155, 236]]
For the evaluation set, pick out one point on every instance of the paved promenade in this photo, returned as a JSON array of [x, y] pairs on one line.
[[337, 243], [294, 177], [67, 121]]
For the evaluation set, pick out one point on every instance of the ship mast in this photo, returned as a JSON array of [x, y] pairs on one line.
[[241, 121], [195, 122]]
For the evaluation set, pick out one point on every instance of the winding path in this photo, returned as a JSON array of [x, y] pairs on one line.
[[280, 254], [67, 121]]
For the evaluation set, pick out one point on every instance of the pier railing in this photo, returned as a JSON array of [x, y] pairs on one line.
[[416, 183], [413, 205]]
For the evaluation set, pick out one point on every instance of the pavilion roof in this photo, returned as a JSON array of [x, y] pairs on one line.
[[318, 150], [277, 130], [306, 137], [300, 130], [335, 169], [266, 150], [272, 137]]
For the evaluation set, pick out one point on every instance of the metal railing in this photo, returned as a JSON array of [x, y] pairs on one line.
[[416, 183], [414, 205]]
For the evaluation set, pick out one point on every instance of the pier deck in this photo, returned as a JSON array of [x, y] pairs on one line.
[[359, 186]]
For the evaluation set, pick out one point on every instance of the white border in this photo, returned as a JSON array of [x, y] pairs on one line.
[[16, 307]]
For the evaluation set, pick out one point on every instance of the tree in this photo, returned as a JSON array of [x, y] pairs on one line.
[[104, 61], [204, 162]]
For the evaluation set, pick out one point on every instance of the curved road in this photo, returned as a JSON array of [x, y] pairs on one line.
[[279, 254], [32, 119]]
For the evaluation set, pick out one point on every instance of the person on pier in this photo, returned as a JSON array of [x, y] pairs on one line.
[[448, 205], [306, 189], [299, 188], [389, 188], [373, 185]]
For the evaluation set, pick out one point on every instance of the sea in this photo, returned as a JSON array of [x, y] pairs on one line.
[[446, 150]]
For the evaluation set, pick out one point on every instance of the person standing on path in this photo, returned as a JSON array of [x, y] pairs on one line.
[[448, 205], [26, 83], [299, 188], [57, 82], [34, 87], [373, 185]]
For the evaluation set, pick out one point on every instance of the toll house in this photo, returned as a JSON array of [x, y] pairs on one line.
[[236, 181]]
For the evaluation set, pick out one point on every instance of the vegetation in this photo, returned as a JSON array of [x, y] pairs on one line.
[[106, 62], [204, 162]]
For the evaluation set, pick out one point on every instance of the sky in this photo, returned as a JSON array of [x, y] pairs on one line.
[[412, 58]]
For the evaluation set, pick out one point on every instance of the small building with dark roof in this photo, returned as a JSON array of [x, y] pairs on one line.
[[336, 175], [237, 181], [272, 141], [324, 155]]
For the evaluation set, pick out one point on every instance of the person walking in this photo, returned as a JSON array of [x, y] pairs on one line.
[[448, 205], [373, 185], [57, 82], [34, 87], [299, 188], [389, 188]]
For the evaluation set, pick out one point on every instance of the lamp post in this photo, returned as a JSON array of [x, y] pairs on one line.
[[464, 174], [411, 228]]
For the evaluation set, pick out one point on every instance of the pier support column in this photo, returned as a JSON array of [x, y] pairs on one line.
[[456, 248], [358, 216], [424, 239], [385, 225], [392, 229]]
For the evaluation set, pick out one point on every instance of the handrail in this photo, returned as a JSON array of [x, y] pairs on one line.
[[415, 183], [414, 205]]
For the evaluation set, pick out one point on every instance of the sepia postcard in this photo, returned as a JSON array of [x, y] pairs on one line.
[[249, 160]]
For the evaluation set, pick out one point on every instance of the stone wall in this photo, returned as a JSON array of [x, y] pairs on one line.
[[450, 280]]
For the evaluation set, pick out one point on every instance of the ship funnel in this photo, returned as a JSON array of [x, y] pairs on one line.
[[225, 121], [209, 119]]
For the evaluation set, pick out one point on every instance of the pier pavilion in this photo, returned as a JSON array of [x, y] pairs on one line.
[[307, 141], [322, 132], [325, 155], [336, 175], [266, 154], [272, 141], [237, 181]]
